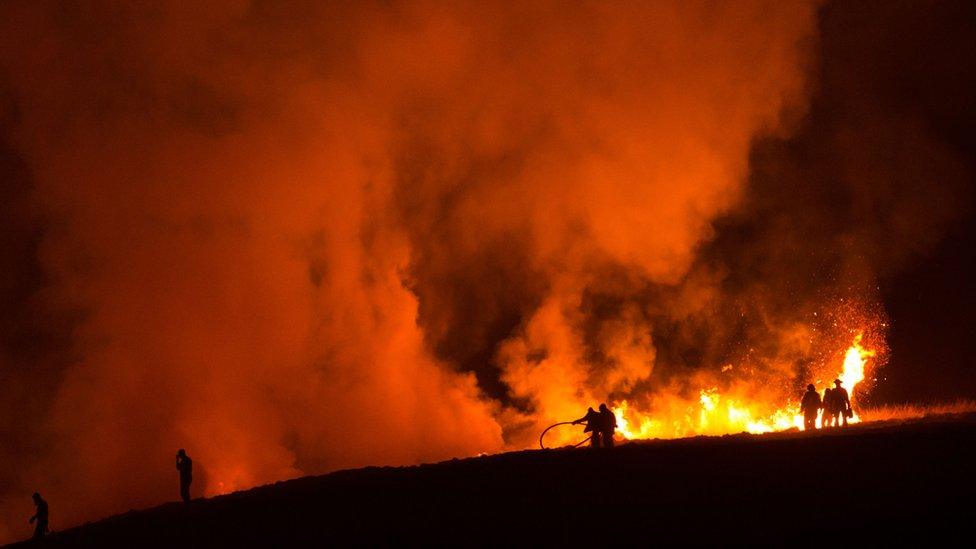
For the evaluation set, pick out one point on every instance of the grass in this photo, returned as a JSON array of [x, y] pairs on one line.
[[915, 411]]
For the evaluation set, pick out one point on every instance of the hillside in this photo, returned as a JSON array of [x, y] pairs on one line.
[[876, 483]]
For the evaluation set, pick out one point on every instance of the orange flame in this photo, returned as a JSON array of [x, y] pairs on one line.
[[713, 413], [854, 362]]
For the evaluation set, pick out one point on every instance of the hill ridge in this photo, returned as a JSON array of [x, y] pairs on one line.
[[741, 489]]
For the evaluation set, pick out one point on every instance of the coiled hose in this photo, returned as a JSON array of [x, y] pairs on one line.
[[578, 444]]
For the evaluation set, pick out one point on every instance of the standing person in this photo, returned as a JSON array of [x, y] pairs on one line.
[[592, 420], [810, 405], [842, 402], [608, 424], [185, 466], [827, 417], [39, 520]]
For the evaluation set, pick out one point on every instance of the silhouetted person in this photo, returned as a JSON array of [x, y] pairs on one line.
[[842, 402], [592, 420], [185, 466], [39, 520], [810, 406], [608, 424], [828, 417]]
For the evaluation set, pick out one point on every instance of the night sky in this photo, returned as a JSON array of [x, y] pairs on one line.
[[911, 60]]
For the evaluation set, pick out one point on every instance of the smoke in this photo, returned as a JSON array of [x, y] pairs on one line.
[[535, 260], [293, 237]]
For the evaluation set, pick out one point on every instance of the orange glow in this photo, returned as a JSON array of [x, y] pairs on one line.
[[855, 360], [715, 413], [368, 234]]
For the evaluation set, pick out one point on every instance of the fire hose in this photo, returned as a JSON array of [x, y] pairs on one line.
[[578, 444]]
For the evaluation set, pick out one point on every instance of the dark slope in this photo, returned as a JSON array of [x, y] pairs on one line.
[[879, 484]]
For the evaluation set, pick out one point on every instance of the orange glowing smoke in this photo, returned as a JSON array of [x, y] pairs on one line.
[[283, 227]]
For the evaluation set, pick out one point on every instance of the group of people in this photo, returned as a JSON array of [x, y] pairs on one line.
[[834, 408], [183, 464], [835, 405], [601, 426]]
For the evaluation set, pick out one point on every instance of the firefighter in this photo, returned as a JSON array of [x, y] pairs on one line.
[[842, 402], [608, 424], [827, 417], [39, 520], [810, 405], [592, 420], [185, 466]]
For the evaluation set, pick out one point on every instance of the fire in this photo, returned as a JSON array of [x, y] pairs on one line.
[[854, 361], [714, 413], [644, 428]]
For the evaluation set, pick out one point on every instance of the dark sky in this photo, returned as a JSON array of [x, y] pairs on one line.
[[913, 61]]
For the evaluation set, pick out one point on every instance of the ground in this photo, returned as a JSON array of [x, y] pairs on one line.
[[876, 484]]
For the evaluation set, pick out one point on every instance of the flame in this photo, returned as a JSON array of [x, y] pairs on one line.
[[854, 362], [645, 427], [716, 413]]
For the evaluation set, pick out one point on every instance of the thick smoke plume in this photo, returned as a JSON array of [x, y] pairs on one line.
[[294, 237]]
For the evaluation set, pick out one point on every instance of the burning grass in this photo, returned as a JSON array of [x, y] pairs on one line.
[[743, 408]]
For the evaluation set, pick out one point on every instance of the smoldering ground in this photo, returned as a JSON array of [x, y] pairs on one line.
[[293, 237]]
